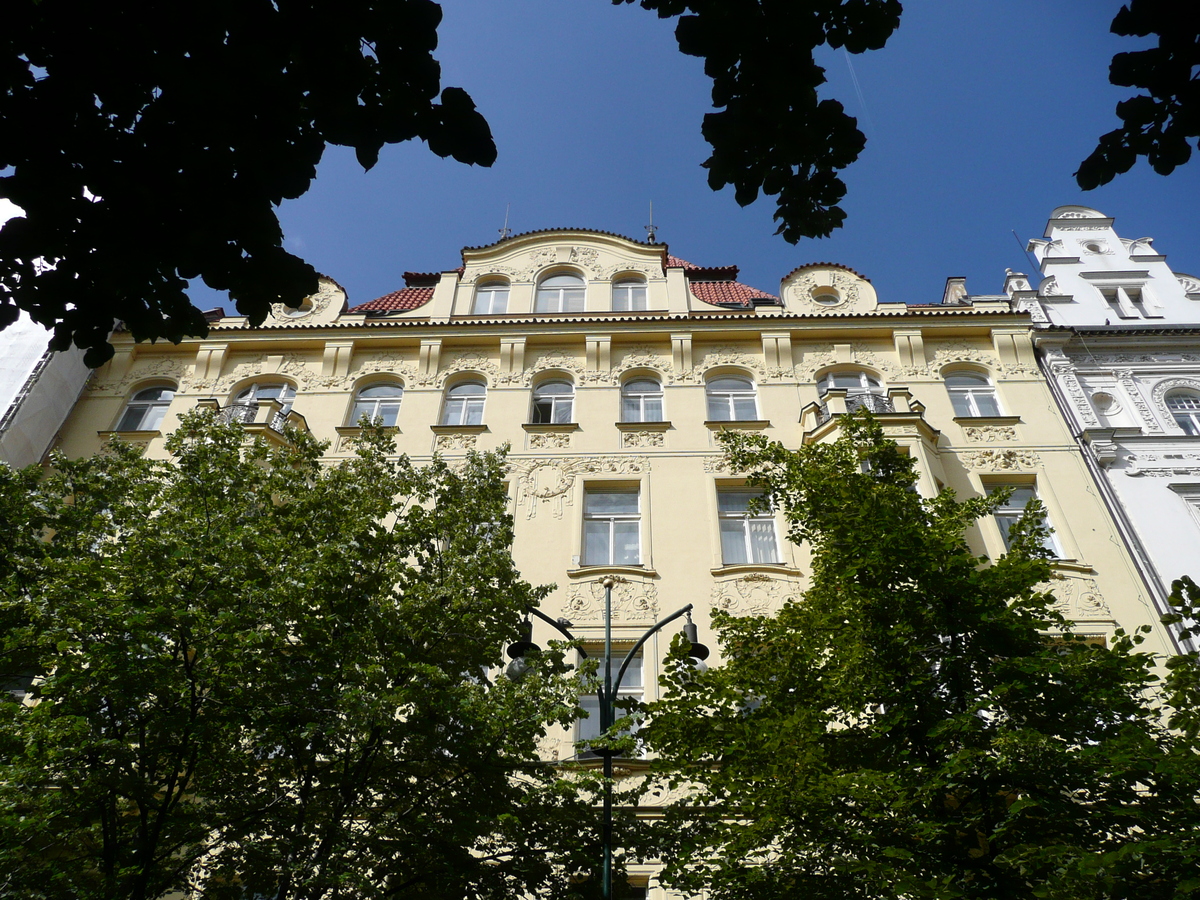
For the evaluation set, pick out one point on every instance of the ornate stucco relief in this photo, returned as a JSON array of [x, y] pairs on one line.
[[1062, 369], [741, 357], [990, 434], [813, 360], [1159, 394], [754, 594], [642, 356], [632, 601], [636, 439], [1130, 387], [455, 442], [163, 367], [389, 362], [1078, 598], [552, 440], [801, 291], [1002, 460], [542, 482]]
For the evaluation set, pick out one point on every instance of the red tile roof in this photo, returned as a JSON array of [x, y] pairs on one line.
[[728, 293], [398, 301]]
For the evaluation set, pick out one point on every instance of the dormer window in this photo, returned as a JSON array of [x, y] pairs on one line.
[[560, 293], [491, 298], [629, 295]]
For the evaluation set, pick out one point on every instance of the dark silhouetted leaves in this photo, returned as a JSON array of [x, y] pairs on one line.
[[188, 123]]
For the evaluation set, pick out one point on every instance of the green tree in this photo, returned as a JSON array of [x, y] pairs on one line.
[[149, 142], [264, 676], [921, 723]]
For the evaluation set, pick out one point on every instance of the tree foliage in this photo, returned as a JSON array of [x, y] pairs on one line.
[[263, 676], [771, 132], [1161, 123], [921, 723], [149, 142]]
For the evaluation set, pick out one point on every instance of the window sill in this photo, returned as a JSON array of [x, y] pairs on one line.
[[551, 427], [643, 426], [751, 568], [749, 424], [988, 420], [601, 571], [356, 430], [134, 436], [458, 429]]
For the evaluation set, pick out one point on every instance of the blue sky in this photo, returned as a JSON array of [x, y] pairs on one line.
[[976, 115]]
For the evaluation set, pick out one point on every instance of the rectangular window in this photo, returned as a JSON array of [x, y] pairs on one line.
[[746, 537], [1010, 513], [631, 688], [611, 527]]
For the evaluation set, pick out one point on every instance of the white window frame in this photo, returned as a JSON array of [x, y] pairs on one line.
[[491, 298], [746, 521], [589, 728], [385, 407], [1006, 516], [556, 294], [966, 397], [1187, 415], [597, 521], [630, 295], [144, 413], [722, 403], [552, 406], [467, 408], [640, 398]]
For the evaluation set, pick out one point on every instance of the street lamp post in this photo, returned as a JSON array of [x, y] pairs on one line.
[[607, 697]]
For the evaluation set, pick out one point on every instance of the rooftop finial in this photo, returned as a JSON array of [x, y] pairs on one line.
[[506, 231], [650, 229]]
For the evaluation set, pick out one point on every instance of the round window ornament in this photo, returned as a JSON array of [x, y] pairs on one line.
[[1093, 246], [826, 295], [295, 312], [1106, 404]]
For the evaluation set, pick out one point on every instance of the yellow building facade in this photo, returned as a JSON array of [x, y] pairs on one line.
[[609, 367]]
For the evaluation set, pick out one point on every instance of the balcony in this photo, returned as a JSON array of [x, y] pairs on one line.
[[851, 403], [267, 418]]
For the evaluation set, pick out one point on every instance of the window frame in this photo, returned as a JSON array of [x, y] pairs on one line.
[[611, 519], [358, 405], [982, 387], [746, 519], [549, 295], [153, 411], [641, 398], [1012, 514], [730, 398], [1184, 414], [490, 289], [547, 409], [625, 691], [636, 294], [465, 403]]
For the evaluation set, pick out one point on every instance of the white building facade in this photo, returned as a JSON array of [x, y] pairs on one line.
[[1118, 336]]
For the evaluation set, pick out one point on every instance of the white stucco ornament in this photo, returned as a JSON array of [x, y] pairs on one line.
[[827, 290]]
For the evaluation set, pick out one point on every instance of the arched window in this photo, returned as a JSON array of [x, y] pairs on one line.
[[862, 390], [560, 293], [491, 298], [145, 411], [641, 401], [1185, 409], [379, 401], [464, 404], [629, 295], [731, 399], [553, 403], [245, 404], [972, 394]]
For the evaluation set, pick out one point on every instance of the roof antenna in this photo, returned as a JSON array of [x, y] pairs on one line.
[[650, 229], [506, 231]]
